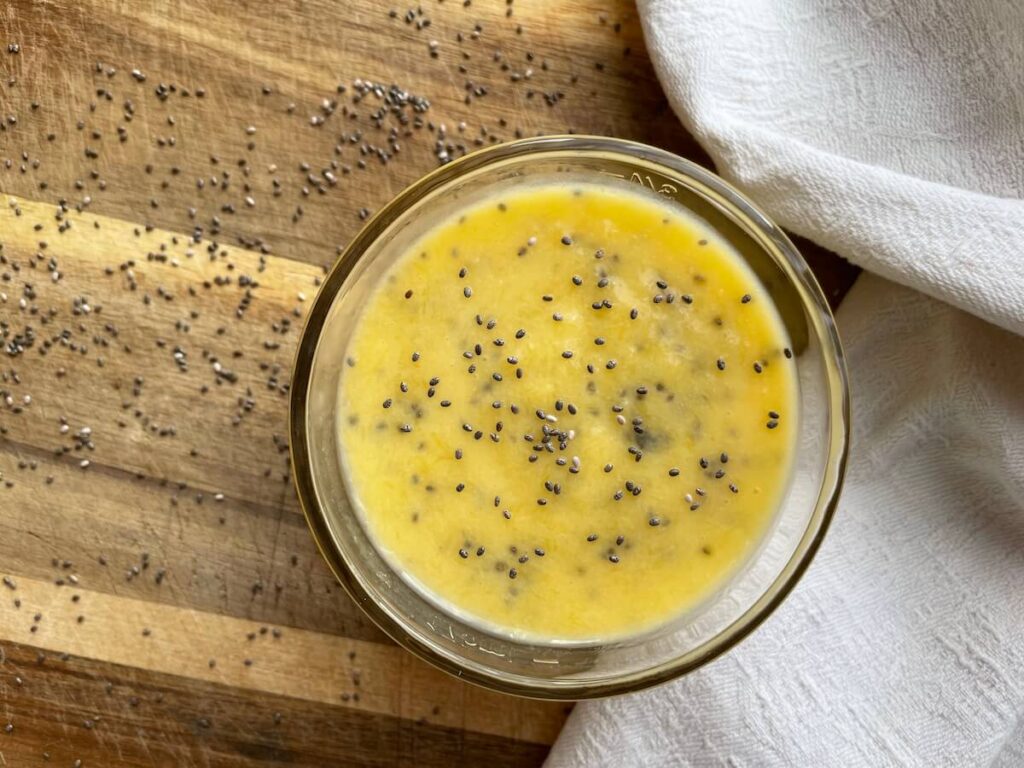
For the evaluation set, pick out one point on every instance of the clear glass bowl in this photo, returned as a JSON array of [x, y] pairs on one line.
[[589, 670]]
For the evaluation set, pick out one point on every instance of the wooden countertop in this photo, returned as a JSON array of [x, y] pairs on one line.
[[174, 179]]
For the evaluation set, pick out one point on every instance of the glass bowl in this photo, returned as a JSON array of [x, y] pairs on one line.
[[575, 671]]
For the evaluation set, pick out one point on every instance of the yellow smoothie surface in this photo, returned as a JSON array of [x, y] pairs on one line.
[[569, 412]]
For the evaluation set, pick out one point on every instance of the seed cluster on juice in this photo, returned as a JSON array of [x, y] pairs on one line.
[[568, 412]]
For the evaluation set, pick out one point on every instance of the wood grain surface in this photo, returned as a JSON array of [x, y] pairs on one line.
[[174, 178]]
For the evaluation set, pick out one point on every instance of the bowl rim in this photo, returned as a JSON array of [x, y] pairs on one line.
[[814, 302]]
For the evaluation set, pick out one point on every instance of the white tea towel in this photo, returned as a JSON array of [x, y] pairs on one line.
[[904, 642], [893, 133]]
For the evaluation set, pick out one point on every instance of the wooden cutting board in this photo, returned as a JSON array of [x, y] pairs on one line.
[[174, 179]]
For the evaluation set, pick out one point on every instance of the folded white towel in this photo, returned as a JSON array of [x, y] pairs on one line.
[[889, 132], [892, 133]]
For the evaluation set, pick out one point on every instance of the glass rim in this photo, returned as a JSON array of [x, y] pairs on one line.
[[730, 201]]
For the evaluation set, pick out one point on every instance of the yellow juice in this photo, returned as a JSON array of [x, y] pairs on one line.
[[569, 412]]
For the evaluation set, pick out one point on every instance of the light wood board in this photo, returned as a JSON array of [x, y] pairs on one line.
[[146, 512]]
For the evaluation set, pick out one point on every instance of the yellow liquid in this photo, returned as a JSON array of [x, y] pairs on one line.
[[489, 323]]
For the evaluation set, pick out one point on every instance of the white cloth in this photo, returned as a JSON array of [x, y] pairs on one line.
[[893, 133]]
